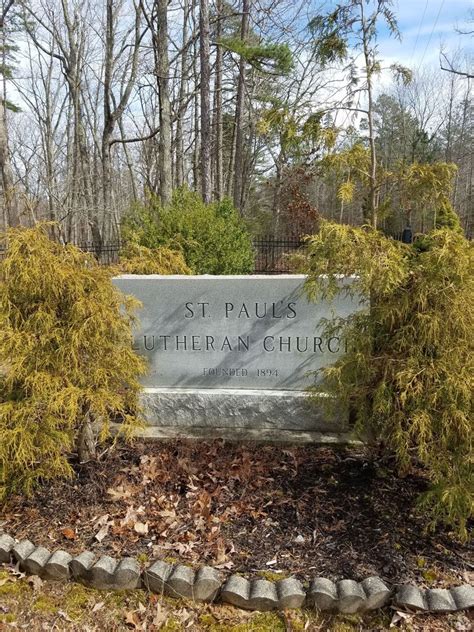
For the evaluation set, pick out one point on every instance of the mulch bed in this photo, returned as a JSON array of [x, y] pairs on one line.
[[253, 509]]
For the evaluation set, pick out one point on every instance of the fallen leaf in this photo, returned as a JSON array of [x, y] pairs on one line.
[[221, 556], [35, 582], [69, 534], [161, 616], [167, 513], [398, 617], [131, 618], [16, 571], [119, 493], [227, 565], [101, 534], [65, 616], [101, 521], [141, 527], [129, 518], [98, 606]]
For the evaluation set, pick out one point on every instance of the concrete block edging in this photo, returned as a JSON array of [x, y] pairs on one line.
[[208, 585]]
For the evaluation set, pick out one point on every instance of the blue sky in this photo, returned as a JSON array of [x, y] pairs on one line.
[[426, 26]]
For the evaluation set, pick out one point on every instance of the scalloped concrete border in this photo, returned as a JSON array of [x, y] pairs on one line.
[[207, 584]]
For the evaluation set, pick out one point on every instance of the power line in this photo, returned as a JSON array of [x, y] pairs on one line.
[[432, 31], [419, 30]]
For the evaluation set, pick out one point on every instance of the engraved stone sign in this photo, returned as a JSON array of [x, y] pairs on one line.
[[232, 350], [257, 332]]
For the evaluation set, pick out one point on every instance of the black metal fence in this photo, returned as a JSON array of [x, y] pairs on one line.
[[271, 254], [107, 254]]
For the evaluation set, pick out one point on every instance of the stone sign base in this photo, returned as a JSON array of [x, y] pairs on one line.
[[252, 435], [239, 414]]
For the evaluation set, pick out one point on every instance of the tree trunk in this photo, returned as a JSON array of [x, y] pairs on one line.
[[129, 161], [10, 200], [162, 76], [205, 92], [373, 201], [197, 151], [218, 127], [179, 158], [86, 447], [108, 117], [239, 115]]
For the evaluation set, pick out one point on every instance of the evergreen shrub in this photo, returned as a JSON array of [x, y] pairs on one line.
[[66, 357], [212, 237], [408, 373]]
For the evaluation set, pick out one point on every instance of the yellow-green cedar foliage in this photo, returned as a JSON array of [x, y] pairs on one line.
[[136, 259], [409, 370], [66, 356]]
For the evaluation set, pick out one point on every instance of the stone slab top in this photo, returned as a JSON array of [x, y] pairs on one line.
[[166, 390], [268, 277]]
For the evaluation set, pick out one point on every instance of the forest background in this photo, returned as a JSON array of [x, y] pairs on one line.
[[293, 109]]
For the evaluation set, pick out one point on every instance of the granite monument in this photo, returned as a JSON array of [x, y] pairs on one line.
[[234, 352]]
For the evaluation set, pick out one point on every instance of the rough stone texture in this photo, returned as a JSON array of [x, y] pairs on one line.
[[102, 573], [180, 582], [154, 577], [36, 561], [351, 596], [322, 594], [377, 593], [127, 574], [262, 435], [290, 593], [239, 409], [410, 598], [236, 591], [440, 600], [57, 567], [22, 550], [463, 596], [263, 595], [6, 545], [207, 584], [81, 566]]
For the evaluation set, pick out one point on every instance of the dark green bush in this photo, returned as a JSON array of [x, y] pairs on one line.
[[212, 237]]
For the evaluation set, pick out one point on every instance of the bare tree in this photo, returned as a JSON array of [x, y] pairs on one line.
[[218, 124], [237, 156], [9, 195], [205, 91], [114, 107], [157, 19]]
